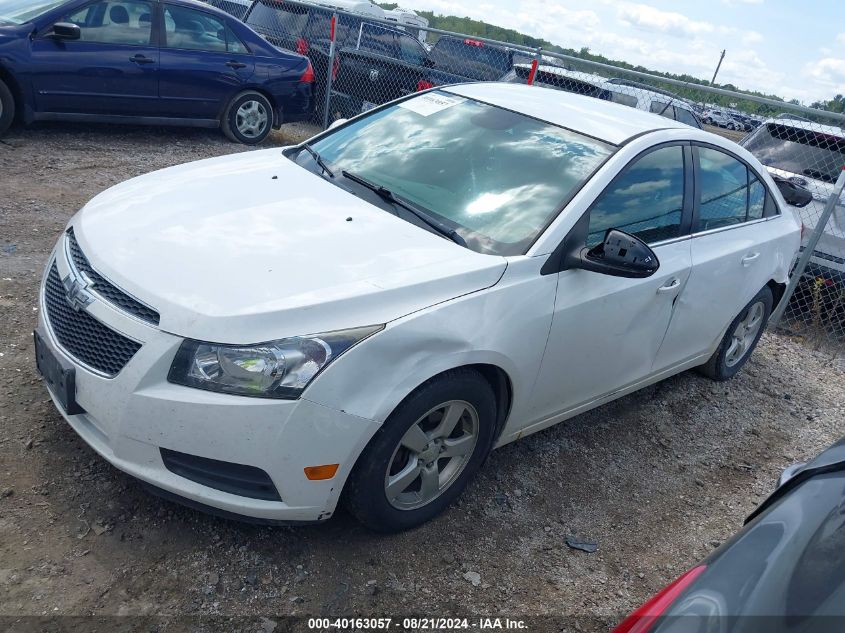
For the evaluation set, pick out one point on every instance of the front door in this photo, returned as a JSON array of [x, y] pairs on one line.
[[111, 70], [606, 331]]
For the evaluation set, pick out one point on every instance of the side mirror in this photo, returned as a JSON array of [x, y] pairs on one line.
[[337, 123], [619, 255], [65, 31]]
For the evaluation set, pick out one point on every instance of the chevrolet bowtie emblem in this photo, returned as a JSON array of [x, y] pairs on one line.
[[76, 292]]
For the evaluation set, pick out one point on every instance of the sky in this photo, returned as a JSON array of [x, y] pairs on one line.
[[794, 49]]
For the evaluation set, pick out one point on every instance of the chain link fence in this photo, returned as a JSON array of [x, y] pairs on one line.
[[365, 58]]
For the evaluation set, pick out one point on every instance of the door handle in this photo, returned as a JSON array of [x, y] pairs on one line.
[[141, 59], [749, 259], [236, 65], [672, 286]]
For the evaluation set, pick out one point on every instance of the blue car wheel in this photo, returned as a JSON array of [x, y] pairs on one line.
[[249, 118]]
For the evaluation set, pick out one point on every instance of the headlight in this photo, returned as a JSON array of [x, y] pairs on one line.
[[277, 369]]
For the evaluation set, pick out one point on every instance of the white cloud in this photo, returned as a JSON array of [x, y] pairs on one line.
[[829, 72], [648, 18], [840, 39]]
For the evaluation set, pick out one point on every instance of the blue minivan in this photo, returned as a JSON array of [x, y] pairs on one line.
[[160, 62]]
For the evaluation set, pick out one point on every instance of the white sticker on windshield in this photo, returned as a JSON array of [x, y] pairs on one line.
[[431, 103]]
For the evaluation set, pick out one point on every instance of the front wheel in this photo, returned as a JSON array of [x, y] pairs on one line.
[[7, 107], [425, 454], [741, 338], [248, 118]]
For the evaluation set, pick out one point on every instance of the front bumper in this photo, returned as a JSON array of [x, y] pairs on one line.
[[128, 419]]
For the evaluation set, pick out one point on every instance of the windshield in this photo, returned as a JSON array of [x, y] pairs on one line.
[[21, 11], [809, 153], [497, 177]]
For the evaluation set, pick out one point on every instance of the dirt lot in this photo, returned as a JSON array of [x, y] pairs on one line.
[[657, 479]]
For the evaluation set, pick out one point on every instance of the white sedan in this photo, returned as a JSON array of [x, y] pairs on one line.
[[363, 318]]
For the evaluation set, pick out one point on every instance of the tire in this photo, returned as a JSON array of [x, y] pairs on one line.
[[7, 108], [727, 360], [248, 118], [418, 423]]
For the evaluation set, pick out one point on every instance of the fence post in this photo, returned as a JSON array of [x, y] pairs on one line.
[[534, 65], [330, 74], [815, 236]]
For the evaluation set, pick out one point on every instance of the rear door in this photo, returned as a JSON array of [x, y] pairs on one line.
[[111, 70], [739, 240], [203, 63]]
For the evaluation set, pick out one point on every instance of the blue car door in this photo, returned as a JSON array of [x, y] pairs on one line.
[[112, 69], [203, 63]]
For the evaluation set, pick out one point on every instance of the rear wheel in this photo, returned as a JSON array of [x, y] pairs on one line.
[[248, 119], [7, 107], [741, 338], [425, 454]]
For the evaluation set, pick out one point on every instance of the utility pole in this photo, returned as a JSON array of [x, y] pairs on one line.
[[718, 66]]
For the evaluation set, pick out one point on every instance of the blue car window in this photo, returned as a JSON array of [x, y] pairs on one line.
[[193, 30], [125, 22], [233, 43]]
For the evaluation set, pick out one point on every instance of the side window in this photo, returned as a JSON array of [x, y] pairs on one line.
[[620, 97], [724, 190], [126, 22], [378, 40], [663, 109], [234, 44], [193, 30], [756, 198], [685, 116], [646, 200], [411, 50]]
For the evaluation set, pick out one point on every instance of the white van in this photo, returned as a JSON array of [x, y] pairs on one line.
[[409, 22]]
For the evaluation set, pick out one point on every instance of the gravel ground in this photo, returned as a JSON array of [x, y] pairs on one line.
[[657, 479]]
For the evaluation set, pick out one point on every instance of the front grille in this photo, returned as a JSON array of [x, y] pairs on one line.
[[106, 289], [83, 336], [236, 479]]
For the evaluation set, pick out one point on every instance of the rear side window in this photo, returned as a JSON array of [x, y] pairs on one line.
[[646, 200], [621, 97], [663, 109], [193, 30], [730, 192], [379, 40], [114, 22], [275, 18], [685, 116], [411, 50]]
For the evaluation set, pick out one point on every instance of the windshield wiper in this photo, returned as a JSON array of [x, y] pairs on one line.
[[387, 194], [318, 159]]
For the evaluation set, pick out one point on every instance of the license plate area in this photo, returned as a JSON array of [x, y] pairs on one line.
[[60, 376]]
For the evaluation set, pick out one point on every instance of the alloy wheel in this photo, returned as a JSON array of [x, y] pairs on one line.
[[745, 333], [431, 455], [251, 119]]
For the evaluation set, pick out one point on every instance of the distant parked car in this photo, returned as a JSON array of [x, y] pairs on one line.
[[719, 118], [808, 156], [173, 62], [642, 98], [373, 63], [784, 572], [473, 59]]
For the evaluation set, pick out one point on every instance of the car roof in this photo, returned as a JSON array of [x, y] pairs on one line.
[[808, 125], [604, 120]]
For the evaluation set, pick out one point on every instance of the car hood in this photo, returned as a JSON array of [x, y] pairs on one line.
[[252, 247]]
